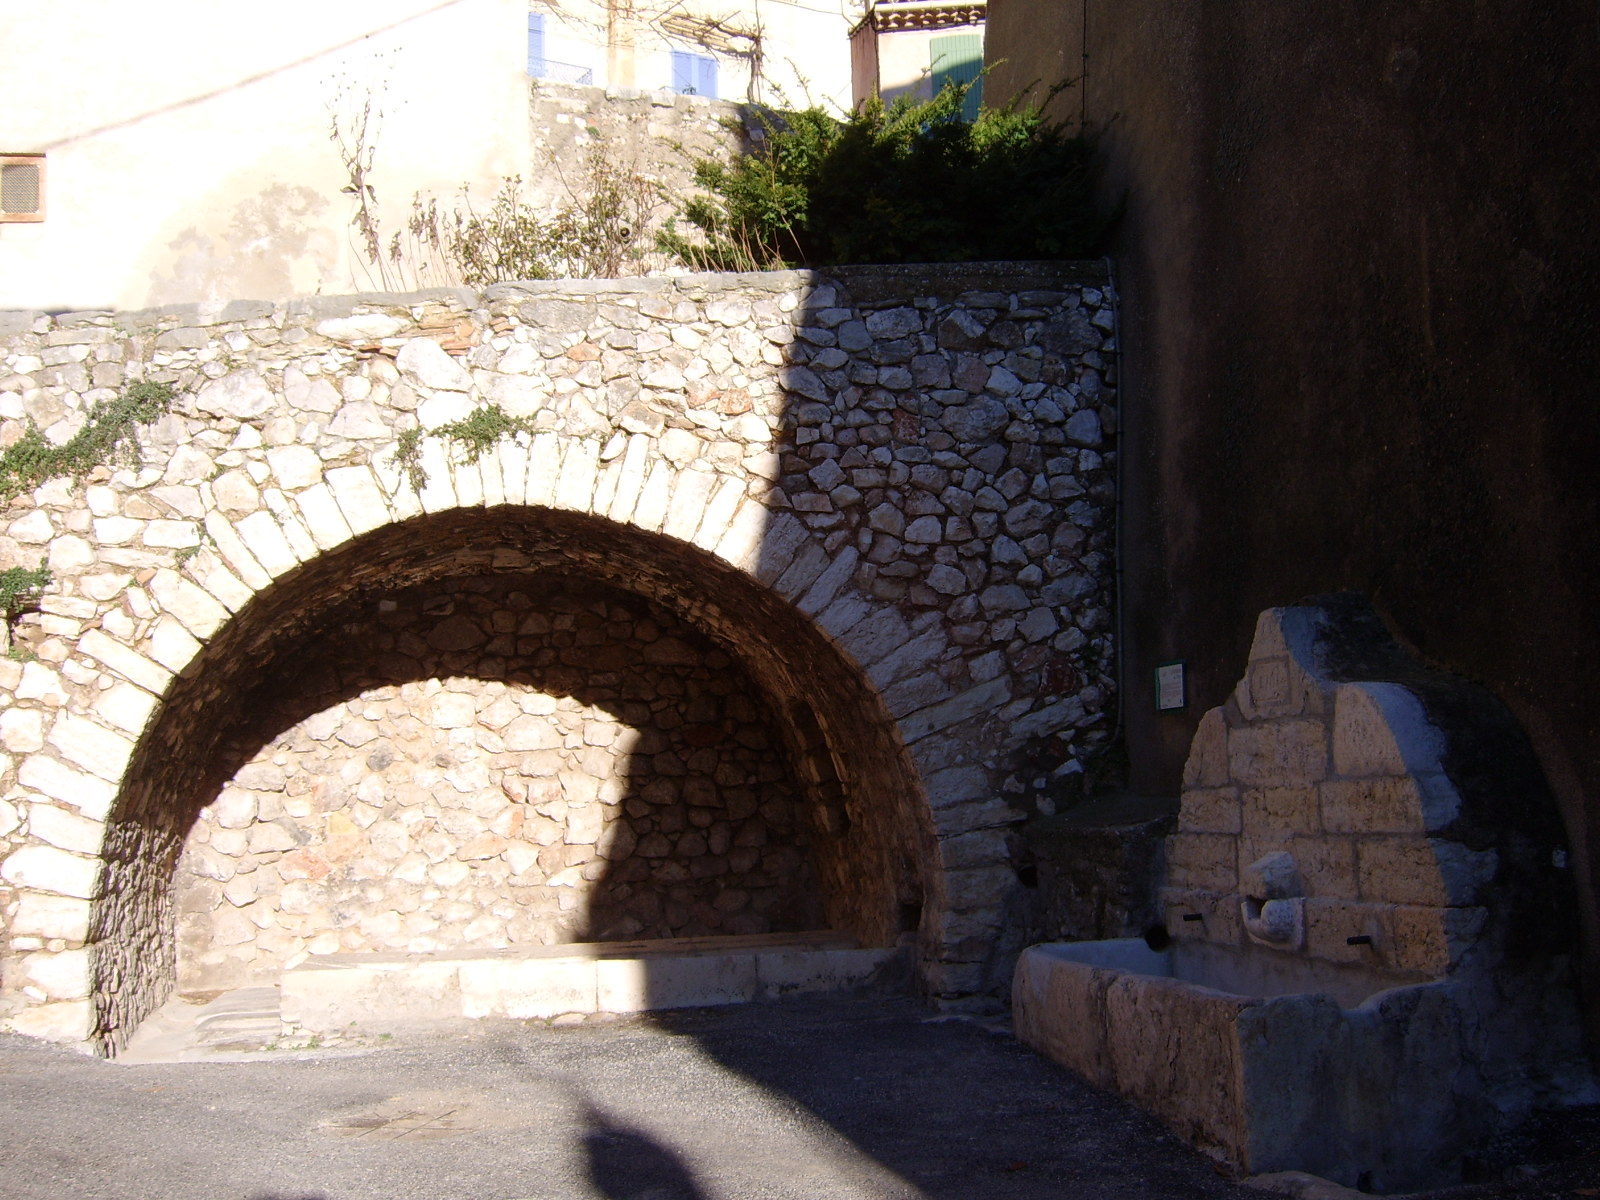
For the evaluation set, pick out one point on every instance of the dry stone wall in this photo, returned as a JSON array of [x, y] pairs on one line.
[[887, 493], [655, 136]]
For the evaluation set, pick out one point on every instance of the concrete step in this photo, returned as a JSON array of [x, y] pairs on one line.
[[190, 1028], [379, 993]]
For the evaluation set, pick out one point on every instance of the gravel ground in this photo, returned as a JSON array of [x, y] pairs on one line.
[[834, 1097]]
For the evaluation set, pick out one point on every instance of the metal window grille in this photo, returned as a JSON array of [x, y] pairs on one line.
[[22, 187]]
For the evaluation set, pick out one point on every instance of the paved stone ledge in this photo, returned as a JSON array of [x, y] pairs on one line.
[[374, 994]]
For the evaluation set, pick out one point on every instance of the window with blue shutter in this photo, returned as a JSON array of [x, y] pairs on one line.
[[694, 74], [536, 44], [958, 59]]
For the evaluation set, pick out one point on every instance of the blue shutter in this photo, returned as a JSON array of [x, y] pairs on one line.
[[682, 72], [535, 43], [958, 59], [694, 74]]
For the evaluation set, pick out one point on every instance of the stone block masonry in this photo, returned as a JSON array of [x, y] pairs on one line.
[[883, 496]]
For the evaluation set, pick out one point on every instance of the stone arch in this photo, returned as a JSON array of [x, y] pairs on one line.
[[926, 479], [875, 873]]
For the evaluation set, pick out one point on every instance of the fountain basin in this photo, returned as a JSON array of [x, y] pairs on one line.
[[1359, 1077]]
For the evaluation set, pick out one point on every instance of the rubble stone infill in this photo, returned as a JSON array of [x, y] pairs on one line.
[[504, 764]]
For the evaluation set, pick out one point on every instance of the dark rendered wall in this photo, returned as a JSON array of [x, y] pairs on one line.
[[1361, 279]]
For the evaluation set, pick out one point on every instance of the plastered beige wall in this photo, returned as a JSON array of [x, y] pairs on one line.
[[188, 145]]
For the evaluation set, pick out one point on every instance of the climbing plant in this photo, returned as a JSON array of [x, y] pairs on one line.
[[908, 181], [109, 436], [471, 437]]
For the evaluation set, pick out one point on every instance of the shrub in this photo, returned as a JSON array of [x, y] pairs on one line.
[[904, 182]]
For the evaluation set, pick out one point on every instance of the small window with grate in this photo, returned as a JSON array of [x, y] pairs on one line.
[[21, 187]]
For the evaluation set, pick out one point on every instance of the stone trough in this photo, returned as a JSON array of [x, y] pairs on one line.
[[1361, 971]]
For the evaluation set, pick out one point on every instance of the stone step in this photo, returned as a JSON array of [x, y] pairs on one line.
[[373, 993], [187, 1028]]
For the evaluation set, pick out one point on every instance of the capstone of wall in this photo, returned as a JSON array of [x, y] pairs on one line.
[[888, 494]]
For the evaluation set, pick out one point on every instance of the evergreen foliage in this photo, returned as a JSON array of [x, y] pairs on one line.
[[904, 182]]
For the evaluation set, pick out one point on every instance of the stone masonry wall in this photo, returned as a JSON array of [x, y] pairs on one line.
[[911, 471], [655, 135], [508, 761]]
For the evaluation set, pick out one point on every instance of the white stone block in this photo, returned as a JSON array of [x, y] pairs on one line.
[[363, 327], [22, 730], [125, 706], [294, 530], [65, 830], [493, 476], [544, 468], [70, 1021], [359, 497], [129, 663], [201, 613], [467, 480], [527, 989], [579, 467], [234, 552], [172, 645], [91, 796], [514, 470], [40, 682], [605, 486], [658, 981], [741, 544], [652, 507], [45, 916], [323, 517], [174, 535], [217, 581], [264, 539], [719, 511], [49, 869], [1381, 729], [453, 710], [438, 494], [294, 467], [243, 395], [785, 972], [829, 584], [426, 362], [984, 698], [92, 746], [688, 505], [635, 462], [63, 975]]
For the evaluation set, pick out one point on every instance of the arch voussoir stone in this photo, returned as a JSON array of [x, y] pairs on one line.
[[907, 503]]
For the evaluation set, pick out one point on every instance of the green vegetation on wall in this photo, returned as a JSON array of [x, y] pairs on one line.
[[904, 182], [108, 436]]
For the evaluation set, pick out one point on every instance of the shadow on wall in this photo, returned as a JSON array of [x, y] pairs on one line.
[[273, 244]]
